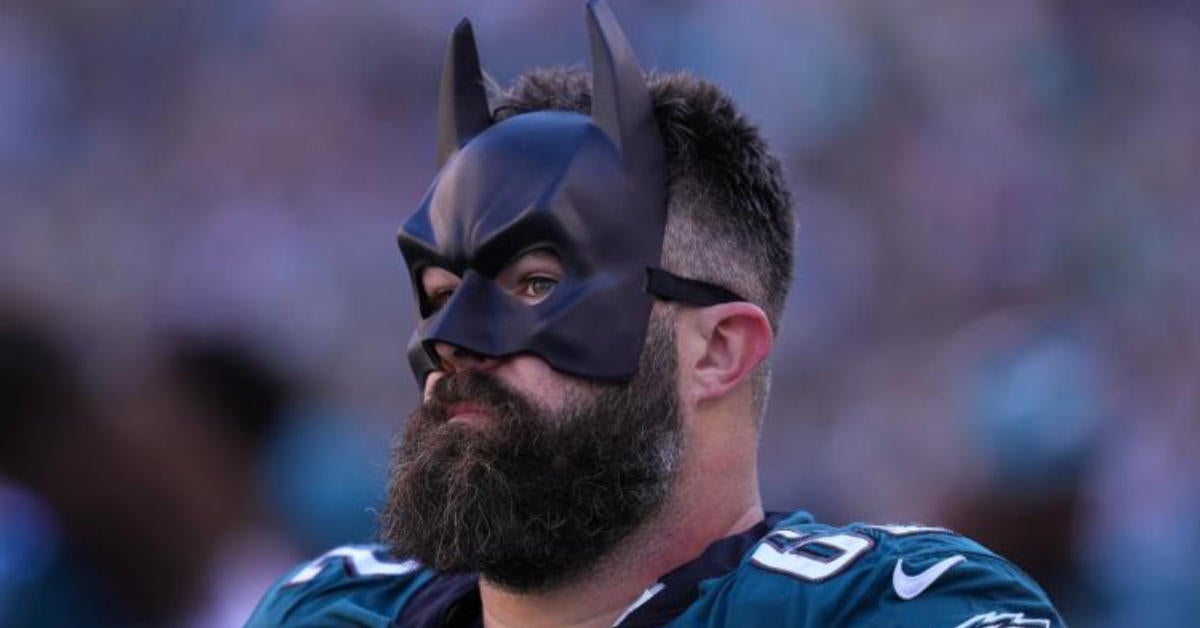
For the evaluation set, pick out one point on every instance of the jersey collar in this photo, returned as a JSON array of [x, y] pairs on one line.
[[452, 601]]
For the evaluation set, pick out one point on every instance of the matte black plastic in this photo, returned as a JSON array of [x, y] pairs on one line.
[[592, 189], [463, 110]]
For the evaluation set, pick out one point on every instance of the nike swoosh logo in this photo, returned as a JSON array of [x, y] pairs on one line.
[[908, 587]]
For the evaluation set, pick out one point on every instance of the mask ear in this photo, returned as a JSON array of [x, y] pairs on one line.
[[463, 110], [621, 104]]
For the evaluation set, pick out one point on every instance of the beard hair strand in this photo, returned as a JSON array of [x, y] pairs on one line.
[[535, 498]]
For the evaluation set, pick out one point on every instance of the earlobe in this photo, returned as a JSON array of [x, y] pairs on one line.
[[736, 338]]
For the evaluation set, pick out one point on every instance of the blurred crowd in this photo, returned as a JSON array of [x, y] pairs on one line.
[[995, 324]]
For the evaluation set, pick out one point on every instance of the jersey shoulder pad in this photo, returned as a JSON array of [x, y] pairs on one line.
[[352, 585], [862, 575]]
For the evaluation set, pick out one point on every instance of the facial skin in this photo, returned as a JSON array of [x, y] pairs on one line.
[[525, 475]]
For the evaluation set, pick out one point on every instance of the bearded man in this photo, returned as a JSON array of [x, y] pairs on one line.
[[600, 268]]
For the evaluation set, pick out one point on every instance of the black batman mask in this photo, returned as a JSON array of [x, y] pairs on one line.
[[590, 189]]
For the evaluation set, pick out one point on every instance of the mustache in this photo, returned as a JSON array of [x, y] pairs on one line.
[[470, 387]]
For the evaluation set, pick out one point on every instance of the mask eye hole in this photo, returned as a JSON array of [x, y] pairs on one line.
[[437, 286], [532, 276]]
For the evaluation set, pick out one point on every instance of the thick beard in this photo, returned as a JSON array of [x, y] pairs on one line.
[[533, 499]]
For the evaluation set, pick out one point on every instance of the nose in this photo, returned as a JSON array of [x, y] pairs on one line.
[[456, 359]]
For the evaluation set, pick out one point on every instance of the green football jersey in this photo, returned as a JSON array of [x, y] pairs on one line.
[[788, 571]]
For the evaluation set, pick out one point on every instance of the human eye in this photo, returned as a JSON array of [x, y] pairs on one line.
[[532, 276], [534, 288], [439, 298], [438, 285]]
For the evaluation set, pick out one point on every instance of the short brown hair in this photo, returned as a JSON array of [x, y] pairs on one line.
[[729, 218]]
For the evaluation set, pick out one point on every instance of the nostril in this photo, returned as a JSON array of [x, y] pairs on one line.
[[454, 358]]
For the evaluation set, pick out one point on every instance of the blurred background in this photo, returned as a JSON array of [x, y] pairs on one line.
[[995, 325]]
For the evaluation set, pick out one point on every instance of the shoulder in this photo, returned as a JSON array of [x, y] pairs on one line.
[[891, 575], [353, 585]]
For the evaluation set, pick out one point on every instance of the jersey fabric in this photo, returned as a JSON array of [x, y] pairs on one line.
[[788, 571]]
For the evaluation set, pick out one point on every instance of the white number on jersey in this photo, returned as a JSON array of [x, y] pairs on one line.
[[362, 561], [810, 558]]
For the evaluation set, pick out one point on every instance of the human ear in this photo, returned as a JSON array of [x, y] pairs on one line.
[[726, 343]]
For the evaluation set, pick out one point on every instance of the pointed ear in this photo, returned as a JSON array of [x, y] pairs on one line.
[[621, 103], [463, 110]]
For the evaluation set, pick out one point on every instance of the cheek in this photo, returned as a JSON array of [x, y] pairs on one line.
[[432, 379], [534, 378]]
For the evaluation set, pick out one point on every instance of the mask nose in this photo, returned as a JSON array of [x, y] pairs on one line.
[[456, 359]]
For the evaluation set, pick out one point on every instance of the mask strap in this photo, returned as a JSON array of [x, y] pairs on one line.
[[671, 287]]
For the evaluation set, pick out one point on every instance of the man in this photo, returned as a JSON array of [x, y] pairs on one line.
[[600, 273]]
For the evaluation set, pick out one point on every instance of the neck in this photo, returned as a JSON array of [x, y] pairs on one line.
[[678, 534]]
